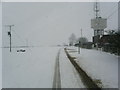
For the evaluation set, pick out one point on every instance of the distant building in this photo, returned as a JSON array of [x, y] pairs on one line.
[[87, 45]]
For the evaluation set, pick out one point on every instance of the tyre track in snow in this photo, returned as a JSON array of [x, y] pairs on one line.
[[87, 81], [57, 79]]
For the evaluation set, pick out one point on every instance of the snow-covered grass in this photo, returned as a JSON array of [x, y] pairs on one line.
[[31, 69], [100, 66]]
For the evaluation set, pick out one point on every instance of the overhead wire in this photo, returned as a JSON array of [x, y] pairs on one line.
[[108, 17], [110, 10], [18, 36]]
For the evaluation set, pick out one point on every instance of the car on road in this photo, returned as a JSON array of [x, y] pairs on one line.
[[21, 50]]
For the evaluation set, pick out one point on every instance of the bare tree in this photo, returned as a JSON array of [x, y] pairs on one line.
[[72, 39], [82, 39]]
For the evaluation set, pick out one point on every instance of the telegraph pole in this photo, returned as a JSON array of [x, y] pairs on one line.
[[80, 43], [81, 32], [10, 34], [81, 38], [79, 47]]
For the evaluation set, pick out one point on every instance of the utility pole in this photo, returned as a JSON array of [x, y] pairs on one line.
[[79, 47], [81, 32], [80, 43], [10, 34], [81, 38]]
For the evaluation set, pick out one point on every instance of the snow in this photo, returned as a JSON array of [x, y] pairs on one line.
[[98, 65], [35, 68], [69, 76], [31, 69]]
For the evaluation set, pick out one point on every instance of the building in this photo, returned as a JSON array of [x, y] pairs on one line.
[[110, 43]]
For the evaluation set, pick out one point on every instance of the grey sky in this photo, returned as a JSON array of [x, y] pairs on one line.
[[52, 23]]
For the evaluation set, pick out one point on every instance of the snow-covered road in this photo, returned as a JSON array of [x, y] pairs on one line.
[[43, 67], [69, 75], [57, 79]]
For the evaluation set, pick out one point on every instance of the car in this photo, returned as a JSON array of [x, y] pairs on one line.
[[21, 50]]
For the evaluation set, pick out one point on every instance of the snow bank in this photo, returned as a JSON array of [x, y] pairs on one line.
[[99, 65]]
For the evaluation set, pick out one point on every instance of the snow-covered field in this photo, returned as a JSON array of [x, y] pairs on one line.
[[100, 66], [31, 69]]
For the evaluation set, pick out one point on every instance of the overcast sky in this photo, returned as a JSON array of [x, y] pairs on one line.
[[52, 23]]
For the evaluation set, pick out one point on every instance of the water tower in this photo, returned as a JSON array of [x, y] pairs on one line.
[[98, 24]]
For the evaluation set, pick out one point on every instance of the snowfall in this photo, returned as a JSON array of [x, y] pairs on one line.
[[35, 67]]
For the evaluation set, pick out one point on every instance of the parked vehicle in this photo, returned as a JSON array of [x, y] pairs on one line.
[[21, 50]]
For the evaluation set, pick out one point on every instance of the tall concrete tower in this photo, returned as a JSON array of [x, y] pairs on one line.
[[98, 23]]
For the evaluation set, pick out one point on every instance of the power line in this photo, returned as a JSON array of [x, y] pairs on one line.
[[105, 14], [113, 13], [19, 37]]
